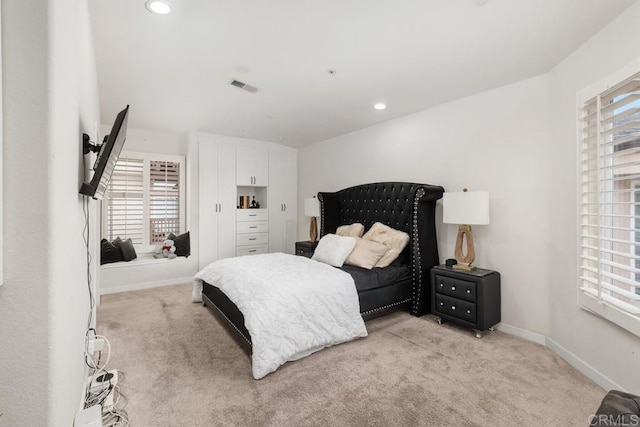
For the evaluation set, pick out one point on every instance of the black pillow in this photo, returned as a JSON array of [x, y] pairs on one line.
[[109, 253], [126, 246], [182, 244]]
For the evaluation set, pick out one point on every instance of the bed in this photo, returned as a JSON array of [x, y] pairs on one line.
[[409, 207]]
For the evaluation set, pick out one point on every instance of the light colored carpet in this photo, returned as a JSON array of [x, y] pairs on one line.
[[183, 369]]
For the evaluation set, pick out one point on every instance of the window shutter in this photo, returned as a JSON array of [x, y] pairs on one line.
[[125, 203], [164, 200], [610, 202]]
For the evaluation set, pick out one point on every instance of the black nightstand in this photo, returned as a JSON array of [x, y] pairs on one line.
[[468, 298], [306, 248]]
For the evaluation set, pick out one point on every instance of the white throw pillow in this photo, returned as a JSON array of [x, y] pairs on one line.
[[334, 250]]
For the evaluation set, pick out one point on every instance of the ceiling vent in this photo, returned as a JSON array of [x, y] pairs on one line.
[[243, 86]]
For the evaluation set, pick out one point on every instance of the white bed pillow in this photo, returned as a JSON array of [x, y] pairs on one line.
[[334, 250]]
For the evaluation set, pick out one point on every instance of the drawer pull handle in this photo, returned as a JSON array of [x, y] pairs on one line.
[[468, 291], [441, 303], [453, 288], [252, 250], [453, 307], [253, 215], [253, 238], [254, 226], [468, 311], [441, 285]]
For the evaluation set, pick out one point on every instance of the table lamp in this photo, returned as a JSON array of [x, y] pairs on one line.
[[465, 208], [312, 209]]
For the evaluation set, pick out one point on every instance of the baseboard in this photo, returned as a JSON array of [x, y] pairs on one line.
[[583, 367], [522, 333], [146, 285]]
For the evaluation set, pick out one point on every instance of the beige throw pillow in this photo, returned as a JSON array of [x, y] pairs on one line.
[[354, 230], [394, 240], [366, 253]]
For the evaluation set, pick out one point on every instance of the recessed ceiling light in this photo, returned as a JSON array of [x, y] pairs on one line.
[[161, 7], [380, 106]]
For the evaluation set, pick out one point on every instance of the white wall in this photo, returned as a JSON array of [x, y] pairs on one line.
[[606, 348], [50, 98], [494, 141]]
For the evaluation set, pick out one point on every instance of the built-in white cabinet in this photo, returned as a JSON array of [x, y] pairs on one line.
[[252, 167], [229, 168], [217, 200], [283, 206]]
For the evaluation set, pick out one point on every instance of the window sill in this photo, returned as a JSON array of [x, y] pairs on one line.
[[143, 259], [625, 320]]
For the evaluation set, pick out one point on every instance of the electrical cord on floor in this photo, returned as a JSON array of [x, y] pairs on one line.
[[114, 415]]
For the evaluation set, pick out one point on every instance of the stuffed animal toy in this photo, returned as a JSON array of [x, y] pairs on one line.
[[167, 250]]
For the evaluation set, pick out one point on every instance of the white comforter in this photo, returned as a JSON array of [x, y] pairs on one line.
[[292, 306]]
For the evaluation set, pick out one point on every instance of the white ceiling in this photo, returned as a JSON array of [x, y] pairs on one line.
[[175, 69]]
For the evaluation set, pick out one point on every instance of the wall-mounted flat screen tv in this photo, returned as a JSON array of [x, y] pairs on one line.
[[107, 157]]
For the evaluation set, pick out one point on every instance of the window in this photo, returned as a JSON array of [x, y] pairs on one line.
[[145, 199], [609, 199]]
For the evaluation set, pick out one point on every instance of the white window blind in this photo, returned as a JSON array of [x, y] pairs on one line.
[[609, 243], [125, 204], [145, 199], [164, 200]]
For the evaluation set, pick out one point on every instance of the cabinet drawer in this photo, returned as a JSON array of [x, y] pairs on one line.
[[252, 239], [252, 250], [252, 215], [252, 227], [456, 288], [457, 308]]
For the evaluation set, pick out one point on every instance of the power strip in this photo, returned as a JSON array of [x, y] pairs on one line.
[[103, 381]]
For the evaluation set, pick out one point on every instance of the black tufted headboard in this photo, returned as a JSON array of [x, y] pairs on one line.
[[405, 206]]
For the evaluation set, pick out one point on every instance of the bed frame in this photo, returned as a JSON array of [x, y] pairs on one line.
[[408, 207]]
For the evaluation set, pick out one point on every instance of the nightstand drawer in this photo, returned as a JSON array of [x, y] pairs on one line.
[[460, 309], [306, 248], [456, 288]]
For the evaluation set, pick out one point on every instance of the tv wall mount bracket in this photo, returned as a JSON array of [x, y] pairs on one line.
[[88, 146]]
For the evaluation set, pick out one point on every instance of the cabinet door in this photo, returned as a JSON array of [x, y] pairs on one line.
[[252, 167], [226, 231], [290, 201], [276, 202], [207, 203], [260, 167], [283, 212], [244, 166]]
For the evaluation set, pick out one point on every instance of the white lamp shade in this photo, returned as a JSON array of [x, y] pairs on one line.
[[468, 207], [311, 207]]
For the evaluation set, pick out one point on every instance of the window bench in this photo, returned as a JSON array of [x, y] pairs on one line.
[[146, 272], [143, 259]]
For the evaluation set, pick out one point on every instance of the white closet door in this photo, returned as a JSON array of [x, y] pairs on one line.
[[290, 200], [227, 201], [207, 204], [283, 207], [277, 232]]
